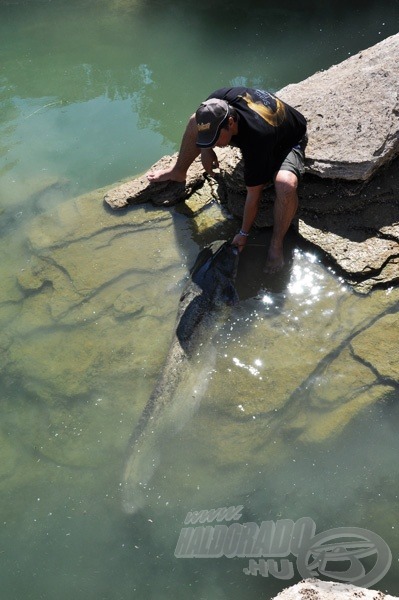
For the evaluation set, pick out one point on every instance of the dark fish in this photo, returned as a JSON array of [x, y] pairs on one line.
[[210, 287]]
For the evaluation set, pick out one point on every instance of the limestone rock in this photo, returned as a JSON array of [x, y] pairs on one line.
[[352, 112], [349, 205], [374, 259], [354, 223], [139, 191], [313, 589], [356, 226]]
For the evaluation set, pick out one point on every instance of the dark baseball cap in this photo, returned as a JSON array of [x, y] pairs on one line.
[[210, 117]]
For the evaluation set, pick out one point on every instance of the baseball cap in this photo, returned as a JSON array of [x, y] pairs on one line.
[[210, 117]]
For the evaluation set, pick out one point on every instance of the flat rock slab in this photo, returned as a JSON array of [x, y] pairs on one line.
[[168, 193], [352, 111]]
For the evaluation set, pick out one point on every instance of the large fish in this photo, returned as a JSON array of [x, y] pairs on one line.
[[210, 287]]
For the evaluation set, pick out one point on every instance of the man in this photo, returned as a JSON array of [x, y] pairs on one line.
[[271, 136]]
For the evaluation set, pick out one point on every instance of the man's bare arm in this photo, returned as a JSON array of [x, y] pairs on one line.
[[252, 202]]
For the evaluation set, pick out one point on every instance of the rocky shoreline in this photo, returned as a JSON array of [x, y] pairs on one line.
[[349, 198]]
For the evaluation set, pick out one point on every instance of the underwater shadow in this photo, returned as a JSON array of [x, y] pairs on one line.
[[251, 280]]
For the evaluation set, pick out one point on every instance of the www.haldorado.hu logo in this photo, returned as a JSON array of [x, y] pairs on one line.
[[335, 553]]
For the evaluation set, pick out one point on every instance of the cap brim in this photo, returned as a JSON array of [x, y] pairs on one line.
[[201, 144]]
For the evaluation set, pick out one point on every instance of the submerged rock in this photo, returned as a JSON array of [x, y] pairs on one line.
[[101, 287], [349, 199], [376, 347]]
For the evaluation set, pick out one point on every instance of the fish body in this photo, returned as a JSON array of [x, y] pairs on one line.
[[209, 288]]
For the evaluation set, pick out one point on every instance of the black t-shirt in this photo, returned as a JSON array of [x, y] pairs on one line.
[[268, 129]]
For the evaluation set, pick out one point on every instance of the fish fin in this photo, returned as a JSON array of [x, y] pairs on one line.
[[140, 465], [202, 258], [205, 259]]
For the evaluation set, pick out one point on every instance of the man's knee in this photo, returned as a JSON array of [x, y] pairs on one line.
[[286, 183]]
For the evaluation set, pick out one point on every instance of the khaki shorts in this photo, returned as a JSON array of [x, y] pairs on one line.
[[295, 160]]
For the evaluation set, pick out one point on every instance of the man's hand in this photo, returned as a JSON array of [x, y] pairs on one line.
[[209, 160], [239, 241]]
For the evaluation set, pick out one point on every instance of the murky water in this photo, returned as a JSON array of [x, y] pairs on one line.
[[299, 414]]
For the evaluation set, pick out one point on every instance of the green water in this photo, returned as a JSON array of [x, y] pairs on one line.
[[289, 425]]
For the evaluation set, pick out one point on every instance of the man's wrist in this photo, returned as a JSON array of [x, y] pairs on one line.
[[244, 233]]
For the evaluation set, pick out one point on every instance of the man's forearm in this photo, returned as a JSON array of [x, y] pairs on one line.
[[188, 150], [251, 207]]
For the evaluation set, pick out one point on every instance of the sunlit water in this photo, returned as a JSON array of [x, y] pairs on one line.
[[288, 425]]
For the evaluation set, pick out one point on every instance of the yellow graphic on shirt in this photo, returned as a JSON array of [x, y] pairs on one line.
[[272, 117]]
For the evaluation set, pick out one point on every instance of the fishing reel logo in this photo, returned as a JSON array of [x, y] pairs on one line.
[[334, 554]]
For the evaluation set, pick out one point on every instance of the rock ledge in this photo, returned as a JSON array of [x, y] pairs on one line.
[[349, 199]]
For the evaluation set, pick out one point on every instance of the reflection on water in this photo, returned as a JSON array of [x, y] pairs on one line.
[[299, 416]]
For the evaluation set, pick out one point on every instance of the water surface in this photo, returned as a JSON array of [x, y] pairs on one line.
[[289, 425]]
